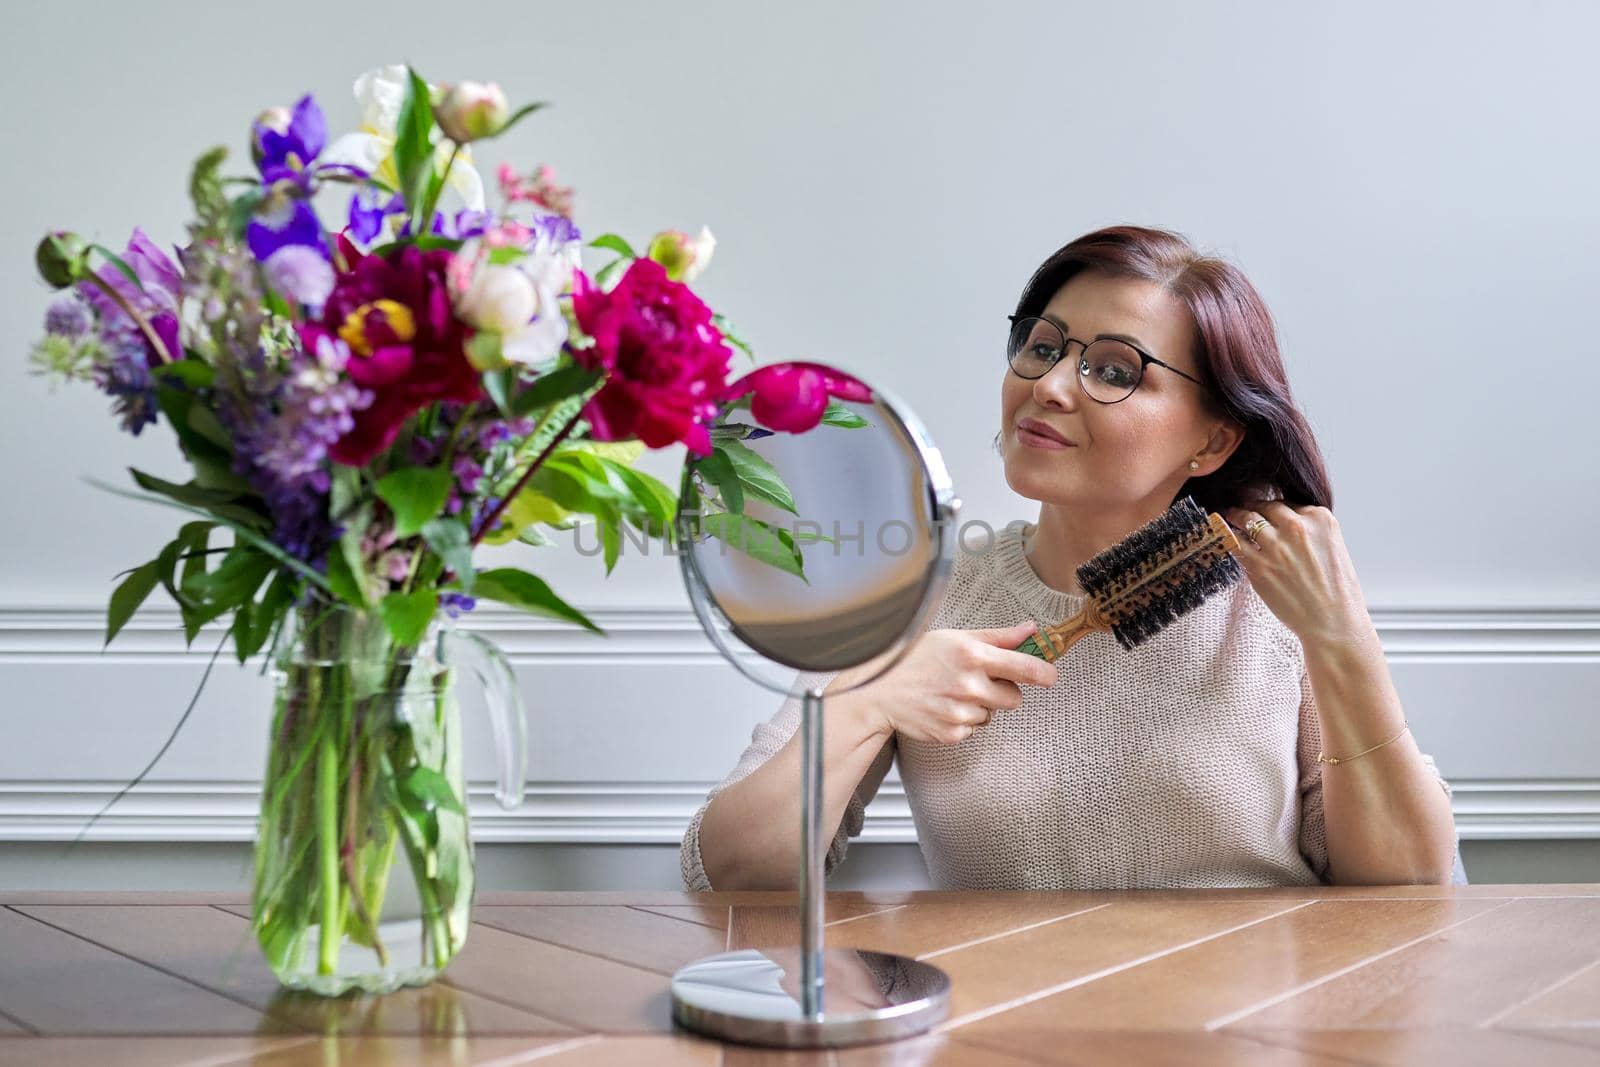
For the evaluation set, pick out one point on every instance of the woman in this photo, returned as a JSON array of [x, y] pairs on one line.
[[1138, 371]]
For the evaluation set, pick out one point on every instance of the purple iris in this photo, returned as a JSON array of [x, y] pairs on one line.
[[286, 144], [367, 214], [464, 224]]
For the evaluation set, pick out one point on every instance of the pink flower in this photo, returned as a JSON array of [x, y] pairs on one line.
[[539, 188], [793, 396], [666, 364]]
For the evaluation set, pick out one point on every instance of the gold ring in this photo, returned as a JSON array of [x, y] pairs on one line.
[[1252, 526]]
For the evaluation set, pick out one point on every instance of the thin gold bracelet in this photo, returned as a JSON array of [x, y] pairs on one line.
[[1332, 760]]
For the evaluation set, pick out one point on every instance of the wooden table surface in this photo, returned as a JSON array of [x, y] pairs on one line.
[[1394, 975]]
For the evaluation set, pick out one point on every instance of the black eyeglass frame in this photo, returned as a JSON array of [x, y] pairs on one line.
[[1145, 359]]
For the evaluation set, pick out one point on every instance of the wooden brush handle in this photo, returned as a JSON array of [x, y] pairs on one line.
[[1054, 641]]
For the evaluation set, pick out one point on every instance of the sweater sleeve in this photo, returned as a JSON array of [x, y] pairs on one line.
[[765, 741], [1313, 827]]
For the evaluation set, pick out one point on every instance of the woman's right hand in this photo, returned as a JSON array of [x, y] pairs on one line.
[[950, 682]]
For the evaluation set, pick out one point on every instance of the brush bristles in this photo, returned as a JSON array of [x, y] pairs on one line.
[[1161, 571]]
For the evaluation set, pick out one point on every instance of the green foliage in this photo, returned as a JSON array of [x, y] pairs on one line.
[[448, 537], [407, 614], [756, 476], [205, 190], [128, 595], [560, 384], [415, 495], [413, 147], [764, 541], [529, 593]]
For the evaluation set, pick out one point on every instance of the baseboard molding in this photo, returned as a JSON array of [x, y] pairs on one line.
[[643, 813], [638, 634]]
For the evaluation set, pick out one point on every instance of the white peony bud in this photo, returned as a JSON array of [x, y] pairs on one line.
[[501, 299], [470, 111]]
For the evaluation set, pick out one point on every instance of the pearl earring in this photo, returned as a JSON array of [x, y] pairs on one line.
[[1194, 464]]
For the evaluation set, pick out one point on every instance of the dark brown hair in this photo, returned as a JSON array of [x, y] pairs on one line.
[[1236, 351]]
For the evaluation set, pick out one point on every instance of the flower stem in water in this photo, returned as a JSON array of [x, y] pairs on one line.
[[328, 815]]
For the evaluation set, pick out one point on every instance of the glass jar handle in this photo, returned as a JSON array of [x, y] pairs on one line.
[[503, 699]]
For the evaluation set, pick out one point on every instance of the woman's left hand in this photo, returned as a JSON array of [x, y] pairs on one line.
[[1302, 571]]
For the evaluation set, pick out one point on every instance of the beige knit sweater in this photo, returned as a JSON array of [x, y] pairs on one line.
[[1189, 761]]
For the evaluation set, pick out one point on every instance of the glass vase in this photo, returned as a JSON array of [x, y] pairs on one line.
[[363, 856]]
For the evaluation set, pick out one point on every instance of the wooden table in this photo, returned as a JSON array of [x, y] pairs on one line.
[[1395, 975]]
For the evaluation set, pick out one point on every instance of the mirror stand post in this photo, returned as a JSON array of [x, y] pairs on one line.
[[812, 851]]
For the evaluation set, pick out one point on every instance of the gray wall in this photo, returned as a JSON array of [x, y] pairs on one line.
[[1410, 187]]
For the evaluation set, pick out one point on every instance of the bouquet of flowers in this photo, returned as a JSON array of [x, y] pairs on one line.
[[362, 404]]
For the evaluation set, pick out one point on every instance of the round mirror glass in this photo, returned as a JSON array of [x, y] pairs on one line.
[[815, 548]]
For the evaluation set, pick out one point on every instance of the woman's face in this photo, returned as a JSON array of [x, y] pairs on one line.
[[1126, 453]]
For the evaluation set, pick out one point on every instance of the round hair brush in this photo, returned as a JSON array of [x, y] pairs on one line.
[[1161, 571]]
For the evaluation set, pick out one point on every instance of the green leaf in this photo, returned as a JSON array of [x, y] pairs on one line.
[[595, 471], [219, 502], [245, 533], [531, 536], [407, 614], [242, 629], [212, 472], [610, 527], [575, 487], [426, 243], [518, 115], [527, 508], [839, 415], [432, 789], [650, 495], [234, 581], [615, 451], [343, 581], [448, 537], [497, 383], [719, 471], [190, 372], [415, 495], [757, 477], [126, 597], [570, 380], [413, 146], [194, 539], [767, 543], [528, 592], [201, 437], [614, 243], [260, 618], [349, 510], [122, 267], [204, 423], [603, 276], [242, 210]]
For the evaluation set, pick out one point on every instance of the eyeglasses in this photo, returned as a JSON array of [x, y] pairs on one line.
[[1108, 370]]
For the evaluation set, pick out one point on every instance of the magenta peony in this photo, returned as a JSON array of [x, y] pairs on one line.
[[793, 396], [666, 364], [406, 344]]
